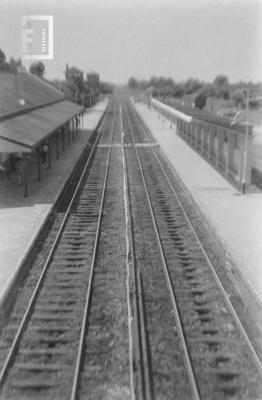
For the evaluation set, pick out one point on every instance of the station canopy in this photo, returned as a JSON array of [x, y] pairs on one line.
[[10, 147], [25, 132]]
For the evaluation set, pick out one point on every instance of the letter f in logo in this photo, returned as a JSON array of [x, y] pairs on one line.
[[27, 34]]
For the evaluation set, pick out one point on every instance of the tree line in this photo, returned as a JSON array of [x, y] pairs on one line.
[[81, 88], [219, 88]]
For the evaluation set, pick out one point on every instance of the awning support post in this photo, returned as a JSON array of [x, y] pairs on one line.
[[25, 177], [73, 129], [57, 146], [49, 153], [68, 132], [39, 163], [63, 137], [76, 126]]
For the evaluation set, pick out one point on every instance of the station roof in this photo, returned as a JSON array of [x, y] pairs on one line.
[[28, 130], [10, 147], [21, 91]]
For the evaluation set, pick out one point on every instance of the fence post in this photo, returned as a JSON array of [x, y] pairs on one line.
[[241, 138], [198, 144], [188, 131], [220, 146], [230, 152], [178, 126], [211, 142], [191, 137], [204, 134]]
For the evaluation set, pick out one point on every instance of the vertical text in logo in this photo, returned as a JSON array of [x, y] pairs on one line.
[[37, 37]]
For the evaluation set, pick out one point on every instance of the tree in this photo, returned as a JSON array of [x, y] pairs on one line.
[[75, 82], [224, 92], [74, 78], [38, 69], [132, 83], [200, 100], [192, 85], [13, 64], [106, 87], [178, 90], [238, 98], [221, 81], [92, 78], [221, 84], [3, 64], [210, 90]]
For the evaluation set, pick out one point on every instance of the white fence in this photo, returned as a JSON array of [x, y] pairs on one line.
[[223, 147]]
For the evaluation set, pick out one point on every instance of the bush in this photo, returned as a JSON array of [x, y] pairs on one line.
[[200, 101], [253, 103], [238, 98]]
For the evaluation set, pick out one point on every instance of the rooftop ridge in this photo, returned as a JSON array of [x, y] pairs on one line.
[[27, 110], [22, 92]]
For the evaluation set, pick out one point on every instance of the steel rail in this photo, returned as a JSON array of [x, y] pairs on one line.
[[187, 358], [217, 279], [144, 392], [12, 351], [147, 377], [91, 275]]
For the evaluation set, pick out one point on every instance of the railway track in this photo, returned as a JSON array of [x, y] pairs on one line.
[[165, 348], [50, 338], [220, 360], [105, 371], [123, 302]]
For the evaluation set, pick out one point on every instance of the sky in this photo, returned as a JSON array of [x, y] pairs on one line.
[[144, 38]]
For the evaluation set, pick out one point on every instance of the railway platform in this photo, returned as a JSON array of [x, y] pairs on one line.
[[21, 218], [235, 219]]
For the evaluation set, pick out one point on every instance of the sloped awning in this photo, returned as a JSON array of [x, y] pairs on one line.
[[10, 147], [31, 129]]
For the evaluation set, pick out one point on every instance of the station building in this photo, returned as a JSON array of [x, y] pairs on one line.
[[36, 124]]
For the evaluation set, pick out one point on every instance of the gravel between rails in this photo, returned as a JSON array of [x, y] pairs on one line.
[[168, 374], [106, 362], [106, 372]]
